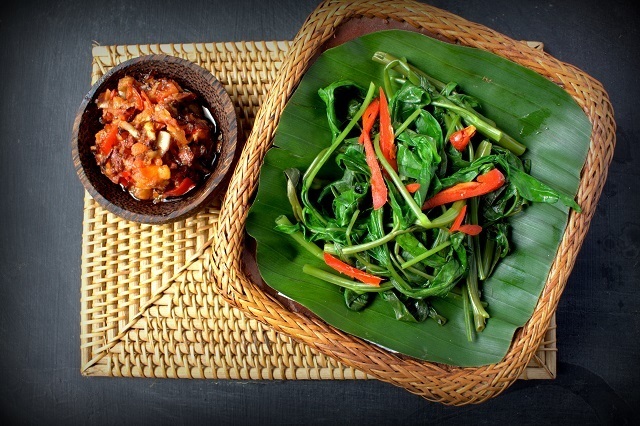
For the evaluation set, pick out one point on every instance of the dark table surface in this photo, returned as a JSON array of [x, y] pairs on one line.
[[45, 58]]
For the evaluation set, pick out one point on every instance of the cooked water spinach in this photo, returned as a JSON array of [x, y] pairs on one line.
[[410, 199]]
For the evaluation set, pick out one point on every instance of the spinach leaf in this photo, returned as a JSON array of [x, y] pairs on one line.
[[406, 309], [356, 301], [406, 100], [342, 98]]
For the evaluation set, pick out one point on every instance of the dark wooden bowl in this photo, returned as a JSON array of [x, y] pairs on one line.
[[87, 123]]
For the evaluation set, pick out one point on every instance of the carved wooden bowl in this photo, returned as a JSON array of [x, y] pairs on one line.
[[111, 196]]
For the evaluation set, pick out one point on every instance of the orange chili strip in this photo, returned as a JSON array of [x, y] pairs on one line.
[[412, 187], [455, 226], [472, 230], [350, 271], [378, 187], [185, 186], [486, 183], [461, 138], [387, 145], [492, 177], [369, 118]]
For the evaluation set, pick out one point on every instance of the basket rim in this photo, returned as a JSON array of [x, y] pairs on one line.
[[447, 384]]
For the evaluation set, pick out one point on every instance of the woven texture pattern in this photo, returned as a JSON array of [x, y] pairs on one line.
[[449, 385], [148, 308]]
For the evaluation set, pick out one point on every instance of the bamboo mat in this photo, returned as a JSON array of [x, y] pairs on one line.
[[147, 308]]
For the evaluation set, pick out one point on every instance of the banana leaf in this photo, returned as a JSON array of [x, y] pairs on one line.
[[529, 107]]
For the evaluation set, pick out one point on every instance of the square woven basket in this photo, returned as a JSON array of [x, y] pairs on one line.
[[332, 21]]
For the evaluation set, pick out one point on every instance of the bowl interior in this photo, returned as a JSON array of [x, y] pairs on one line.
[[111, 196]]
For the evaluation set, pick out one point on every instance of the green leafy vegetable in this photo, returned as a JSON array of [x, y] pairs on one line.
[[430, 276], [394, 243]]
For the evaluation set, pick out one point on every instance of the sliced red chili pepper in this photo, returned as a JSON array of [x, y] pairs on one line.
[[387, 145], [351, 271], [185, 186], [470, 229], [369, 118], [110, 140], [461, 138], [486, 183], [378, 187], [459, 218], [125, 178], [412, 187]]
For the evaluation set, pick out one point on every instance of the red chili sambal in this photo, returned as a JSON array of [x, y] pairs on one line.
[[158, 141]]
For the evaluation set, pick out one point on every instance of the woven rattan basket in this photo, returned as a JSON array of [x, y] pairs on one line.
[[331, 21]]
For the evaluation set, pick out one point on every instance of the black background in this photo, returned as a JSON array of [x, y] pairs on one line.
[[45, 68]]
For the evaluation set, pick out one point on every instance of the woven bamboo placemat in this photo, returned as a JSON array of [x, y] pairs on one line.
[[147, 308]]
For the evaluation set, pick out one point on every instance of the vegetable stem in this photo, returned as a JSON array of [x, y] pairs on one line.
[[349, 250], [344, 282], [347, 233], [408, 121], [483, 127], [299, 238], [414, 75], [484, 269], [449, 215], [467, 312], [484, 149], [425, 255], [417, 271], [479, 313], [292, 179]]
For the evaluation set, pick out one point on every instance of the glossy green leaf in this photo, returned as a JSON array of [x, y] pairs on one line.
[[533, 110]]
